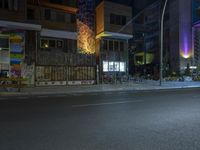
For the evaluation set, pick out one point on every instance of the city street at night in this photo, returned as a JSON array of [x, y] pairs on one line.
[[123, 120]]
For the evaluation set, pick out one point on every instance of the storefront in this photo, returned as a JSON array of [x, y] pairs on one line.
[[12, 49], [4, 56]]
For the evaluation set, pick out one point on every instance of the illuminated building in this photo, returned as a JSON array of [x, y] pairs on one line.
[[43, 43], [179, 44], [111, 41]]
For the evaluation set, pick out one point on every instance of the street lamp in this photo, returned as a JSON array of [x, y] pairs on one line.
[[161, 42]]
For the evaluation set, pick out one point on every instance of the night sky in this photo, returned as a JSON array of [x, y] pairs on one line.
[[137, 4]]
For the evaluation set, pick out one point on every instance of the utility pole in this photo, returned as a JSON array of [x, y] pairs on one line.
[[161, 41]]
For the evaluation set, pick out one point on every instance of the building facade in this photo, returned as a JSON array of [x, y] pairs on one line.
[[42, 43], [112, 35], [179, 52]]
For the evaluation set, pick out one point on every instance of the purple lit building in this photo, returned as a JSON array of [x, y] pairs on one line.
[[180, 47]]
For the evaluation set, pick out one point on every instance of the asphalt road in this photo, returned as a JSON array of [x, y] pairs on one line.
[[154, 120]]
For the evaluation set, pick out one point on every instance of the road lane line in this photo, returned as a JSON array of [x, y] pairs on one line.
[[108, 103], [22, 97], [60, 95], [42, 96]]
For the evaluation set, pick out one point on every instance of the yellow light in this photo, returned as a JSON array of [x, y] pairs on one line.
[[46, 45], [186, 56], [86, 39]]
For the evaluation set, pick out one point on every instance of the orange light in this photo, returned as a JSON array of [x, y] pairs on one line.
[[86, 39]]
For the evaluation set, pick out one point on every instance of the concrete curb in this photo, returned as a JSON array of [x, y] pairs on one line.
[[134, 89]]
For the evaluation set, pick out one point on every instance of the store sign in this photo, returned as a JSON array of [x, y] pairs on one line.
[[114, 66]]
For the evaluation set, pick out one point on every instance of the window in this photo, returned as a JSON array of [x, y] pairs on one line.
[[117, 19], [121, 46], [105, 66], [6, 4], [47, 14], [1, 4], [56, 1], [116, 45], [60, 17], [122, 67], [111, 66], [105, 44], [112, 19], [116, 66], [123, 20], [59, 44], [52, 43], [73, 18], [44, 43], [9, 4], [4, 43], [110, 45], [30, 14]]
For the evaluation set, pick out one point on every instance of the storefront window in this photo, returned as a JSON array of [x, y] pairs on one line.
[[111, 66], [105, 66], [114, 66], [122, 67]]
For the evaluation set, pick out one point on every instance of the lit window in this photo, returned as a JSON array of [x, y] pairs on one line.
[[122, 67], [116, 66], [44, 43], [105, 66], [111, 66]]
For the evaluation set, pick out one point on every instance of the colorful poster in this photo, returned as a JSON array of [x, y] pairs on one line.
[[17, 46]]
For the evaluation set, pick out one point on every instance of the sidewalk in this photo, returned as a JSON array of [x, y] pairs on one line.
[[132, 86]]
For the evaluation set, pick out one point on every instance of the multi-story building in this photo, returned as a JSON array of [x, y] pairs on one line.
[[112, 35], [52, 42], [179, 52], [42, 43], [145, 55], [196, 33]]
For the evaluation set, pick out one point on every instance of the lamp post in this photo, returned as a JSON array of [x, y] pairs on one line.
[[161, 41]]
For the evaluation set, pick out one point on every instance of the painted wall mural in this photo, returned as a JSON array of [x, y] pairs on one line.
[[17, 45], [86, 26]]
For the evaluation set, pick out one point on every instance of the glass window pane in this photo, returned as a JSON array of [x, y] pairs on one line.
[[44, 43], [110, 45], [52, 43], [105, 44], [111, 66], [122, 67], [105, 66], [121, 46], [116, 45], [116, 66]]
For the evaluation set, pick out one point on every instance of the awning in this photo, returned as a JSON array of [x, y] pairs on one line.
[[19, 25], [58, 34], [114, 35]]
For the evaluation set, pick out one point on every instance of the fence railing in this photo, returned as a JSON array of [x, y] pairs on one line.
[[17, 83]]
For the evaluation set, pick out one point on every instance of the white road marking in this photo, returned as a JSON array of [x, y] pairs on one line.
[[60, 95], [22, 97], [108, 93], [93, 94], [108, 103], [42, 96]]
